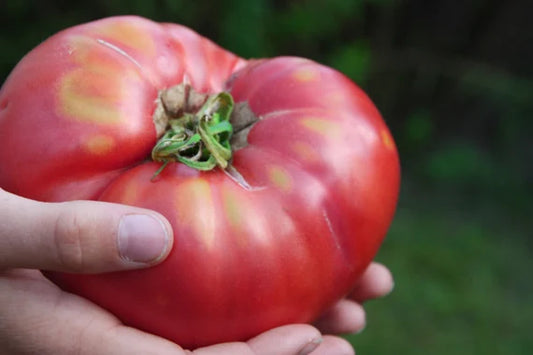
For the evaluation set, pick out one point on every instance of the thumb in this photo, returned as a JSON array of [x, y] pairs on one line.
[[80, 236]]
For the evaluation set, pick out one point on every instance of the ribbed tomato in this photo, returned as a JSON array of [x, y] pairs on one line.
[[273, 232]]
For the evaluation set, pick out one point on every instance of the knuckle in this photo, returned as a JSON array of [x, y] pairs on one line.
[[69, 241]]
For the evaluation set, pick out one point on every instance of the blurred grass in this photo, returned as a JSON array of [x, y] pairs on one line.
[[463, 282]]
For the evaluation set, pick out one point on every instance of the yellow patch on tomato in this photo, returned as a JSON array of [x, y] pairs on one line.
[[88, 53], [125, 33], [238, 213], [233, 207], [100, 57], [387, 140], [80, 98], [280, 178], [306, 74], [196, 210], [335, 98], [130, 193], [327, 128], [305, 151], [99, 144]]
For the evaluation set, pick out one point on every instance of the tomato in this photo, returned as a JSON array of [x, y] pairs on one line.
[[274, 233]]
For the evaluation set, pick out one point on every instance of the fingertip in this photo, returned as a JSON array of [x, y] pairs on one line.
[[377, 281], [288, 339], [383, 280], [169, 235], [143, 238], [384, 274], [345, 317], [334, 345]]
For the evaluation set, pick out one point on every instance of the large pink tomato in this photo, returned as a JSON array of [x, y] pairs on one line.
[[279, 177]]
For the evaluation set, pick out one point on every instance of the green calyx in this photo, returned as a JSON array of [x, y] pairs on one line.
[[200, 140]]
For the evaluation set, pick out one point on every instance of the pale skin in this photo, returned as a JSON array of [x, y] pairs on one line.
[[36, 317]]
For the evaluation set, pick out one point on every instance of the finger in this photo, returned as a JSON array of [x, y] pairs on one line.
[[376, 282], [296, 339], [80, 236], [344, 317], [334, 345], [121, 340], [291, 339], [38, 318], [236, 348]]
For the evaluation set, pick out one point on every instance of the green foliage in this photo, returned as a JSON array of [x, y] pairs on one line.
[[460, 163], [354, 60], [243, 28], [498, 85], [461, 282], [419, 128], [315, 20]]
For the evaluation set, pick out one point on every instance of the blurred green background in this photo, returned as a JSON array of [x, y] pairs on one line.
[[454, 81]]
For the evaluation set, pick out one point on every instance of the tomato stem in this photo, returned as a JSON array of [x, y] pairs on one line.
[[199, 139], [200, 130]]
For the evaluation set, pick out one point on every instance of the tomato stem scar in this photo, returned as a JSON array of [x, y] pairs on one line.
[[198, 129], [200, 140]]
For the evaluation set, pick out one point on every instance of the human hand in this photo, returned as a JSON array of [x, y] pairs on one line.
[[348, 315], [86, 236]]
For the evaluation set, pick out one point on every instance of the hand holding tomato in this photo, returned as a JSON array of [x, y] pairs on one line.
[[81, 237], [278, 176]]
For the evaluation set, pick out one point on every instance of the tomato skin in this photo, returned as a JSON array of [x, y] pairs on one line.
[[91, 90], [321, 161]]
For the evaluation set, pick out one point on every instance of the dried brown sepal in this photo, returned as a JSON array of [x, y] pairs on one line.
[[242, 119], [173, 103]]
